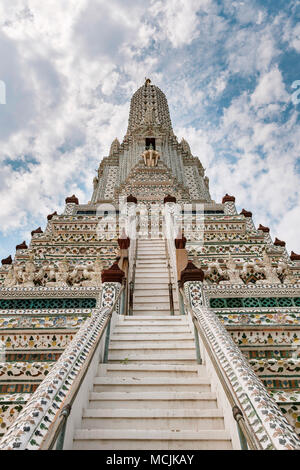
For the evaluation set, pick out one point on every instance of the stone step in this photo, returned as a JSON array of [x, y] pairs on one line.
[[145, 286], [151, 308], [170, 357], [140, 305], [164, 318], [151, 346], [169, 419], [96, 439], [145, 290], [152, 370], [151, 256], [150, 299], [157, 337], [151, 241], [138, 335], [153, 265], [151, 275], [153, 312], [151, 249], [151, 288], [173, 327], [151, 283], [147, 305], [148, 400], [159, 257], [155, 384], [151, 330], [154, 269], [151, 246], [174, 321]]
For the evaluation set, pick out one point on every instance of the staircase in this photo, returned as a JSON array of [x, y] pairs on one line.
[[151, 292], [152, 394]]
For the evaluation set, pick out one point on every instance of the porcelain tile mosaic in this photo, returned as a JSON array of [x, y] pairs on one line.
[[265, 418]]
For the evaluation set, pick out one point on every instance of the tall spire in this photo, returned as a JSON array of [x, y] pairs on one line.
[[149, 102]]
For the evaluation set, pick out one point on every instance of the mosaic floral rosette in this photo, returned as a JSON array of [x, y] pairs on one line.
[[44, 406], [270, 427]]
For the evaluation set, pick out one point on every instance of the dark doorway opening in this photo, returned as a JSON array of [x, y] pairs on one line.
[[150, 143]]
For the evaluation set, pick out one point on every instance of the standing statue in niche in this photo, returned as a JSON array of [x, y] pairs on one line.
[[232, 272], [29, 274], [92, 275], [14, 276], [269, 272], [11, 278], [39, 276], [149, 115], [284, 270], [60, 276]]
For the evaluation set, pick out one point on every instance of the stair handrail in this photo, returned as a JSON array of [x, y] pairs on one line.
[[170, 284], [41, 421], [131, 276], [257, 414], [168, 232]]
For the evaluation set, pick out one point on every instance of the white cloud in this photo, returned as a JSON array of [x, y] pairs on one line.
[[270, 89], [291, 34], [178, 19], [71, 68]]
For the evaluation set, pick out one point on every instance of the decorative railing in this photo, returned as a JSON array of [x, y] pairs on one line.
[[42, 421], [168, 230], [259, 418], [131, 274]]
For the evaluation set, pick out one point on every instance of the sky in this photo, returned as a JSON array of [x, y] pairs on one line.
[[229, 70]]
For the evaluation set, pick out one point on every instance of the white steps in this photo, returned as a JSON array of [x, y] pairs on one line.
[[152, 400], [146, 337], [183, 357], [151, 439], [193, 420], [141, 384], [150, 370], [152, 394]]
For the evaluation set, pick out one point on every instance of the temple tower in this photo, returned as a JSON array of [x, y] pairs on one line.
[[176, 171], [198, 302]]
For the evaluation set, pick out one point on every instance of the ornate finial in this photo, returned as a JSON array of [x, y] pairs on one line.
[[147, 81], [115, 146]]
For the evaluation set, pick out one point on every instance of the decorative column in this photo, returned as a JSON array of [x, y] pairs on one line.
[[124, 243], [71, 202], [249, 222], [7, 260], [113, 274], [181, 254], [266, 232], [229, 205]]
